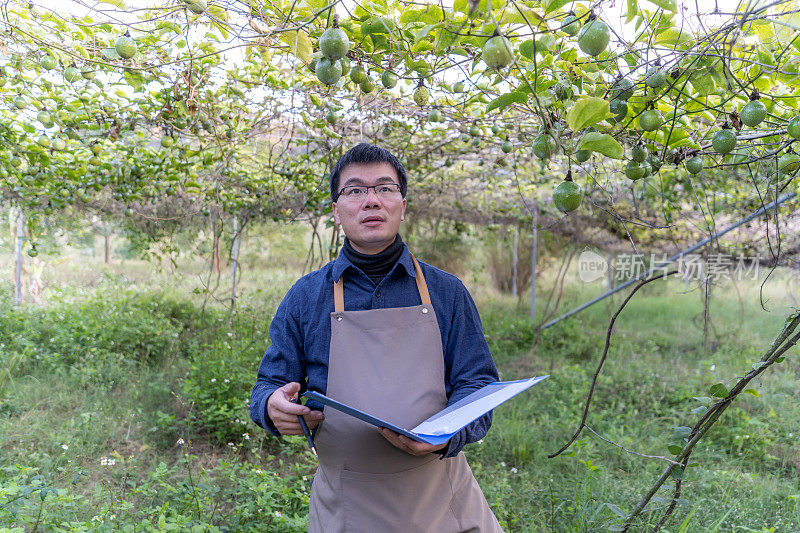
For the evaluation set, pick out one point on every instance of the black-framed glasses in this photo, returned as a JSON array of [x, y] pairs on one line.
[[359, 192]]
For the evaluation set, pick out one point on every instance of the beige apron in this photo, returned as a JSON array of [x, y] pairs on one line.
[[389, 362]]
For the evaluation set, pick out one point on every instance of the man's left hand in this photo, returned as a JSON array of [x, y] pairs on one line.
[[409, 446]]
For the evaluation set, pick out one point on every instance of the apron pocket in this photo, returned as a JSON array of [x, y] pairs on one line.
[[417, 500]]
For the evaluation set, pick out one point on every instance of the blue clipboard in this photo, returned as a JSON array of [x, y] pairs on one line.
[[441, 427]]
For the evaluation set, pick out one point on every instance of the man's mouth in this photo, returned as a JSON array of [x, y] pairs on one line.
[[372, 221]]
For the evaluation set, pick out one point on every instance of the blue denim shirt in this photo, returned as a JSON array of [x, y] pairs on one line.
[[300, 333]]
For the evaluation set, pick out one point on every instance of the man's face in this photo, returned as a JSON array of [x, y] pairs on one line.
[[371, 222]]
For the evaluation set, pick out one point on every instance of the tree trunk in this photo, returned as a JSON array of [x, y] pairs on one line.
[[534, 235], [514, 264], [215, 247], [18, 272], [235, 259], [107, 238]]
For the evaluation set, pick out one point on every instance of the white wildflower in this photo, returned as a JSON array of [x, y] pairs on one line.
[[180, 441], [65, 447]]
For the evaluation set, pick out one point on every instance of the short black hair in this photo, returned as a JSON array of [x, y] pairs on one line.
[[366, 153]]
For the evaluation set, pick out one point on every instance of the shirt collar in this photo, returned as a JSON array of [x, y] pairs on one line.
[[342, 263]]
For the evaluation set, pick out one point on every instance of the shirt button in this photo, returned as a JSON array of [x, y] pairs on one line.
[[377, 294], [425, 310]]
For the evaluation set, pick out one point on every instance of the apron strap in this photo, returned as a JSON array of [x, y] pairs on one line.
[[422, 286], [338, 295]]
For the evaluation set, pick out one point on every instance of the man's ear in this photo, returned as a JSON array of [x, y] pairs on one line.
[[336, 215], [403, 212]]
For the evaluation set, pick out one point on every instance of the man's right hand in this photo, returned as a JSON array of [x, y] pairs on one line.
[[283, 412]]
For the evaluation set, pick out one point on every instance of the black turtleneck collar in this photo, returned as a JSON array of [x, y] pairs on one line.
[[375, 266]]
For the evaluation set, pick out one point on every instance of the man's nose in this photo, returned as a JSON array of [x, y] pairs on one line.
[[371, 198]]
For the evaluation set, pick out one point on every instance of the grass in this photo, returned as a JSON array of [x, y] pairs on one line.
[[115, 413]]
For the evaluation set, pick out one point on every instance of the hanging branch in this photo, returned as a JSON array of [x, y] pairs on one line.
[[780, 346], [603, 359]]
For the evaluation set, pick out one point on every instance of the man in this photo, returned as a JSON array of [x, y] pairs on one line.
[[386, 334]]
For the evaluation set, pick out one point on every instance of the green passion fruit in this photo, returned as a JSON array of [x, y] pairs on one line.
[[635, 170], [506, 147], [333, 43], [366, 85], [327, 71], [543, 147], [458, 87], [639, 153], [567, 196], [622, 89], [71, 74], [724, 141], [789, 163], [594, 37], [125, 46], [421, 95], [619, 108], [753, 113], [434, 115], [582, 156], [571, 25], [793, 128], [655, 77], [388, 79], [358, 74], [48, 63], [498, 52], [694, 165], [651, 120]]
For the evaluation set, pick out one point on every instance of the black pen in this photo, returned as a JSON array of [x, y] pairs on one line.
[[306, 432]]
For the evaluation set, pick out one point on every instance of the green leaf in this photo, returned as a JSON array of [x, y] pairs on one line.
[[700, 410], [703, 83], [299, 44], [666, 5], [718, 390], [410, 15], [528, 49], [447, 36], [553, 5], [505, 100], [674, 37], [110, 53], [134, 79], [632, 9], [675, 449], [602, 143], [423, 32], [682, 431], [586, 112], [617, 510], [116, 3], [704, 400], [752, 391]]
